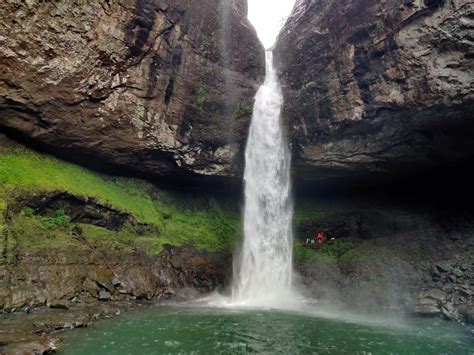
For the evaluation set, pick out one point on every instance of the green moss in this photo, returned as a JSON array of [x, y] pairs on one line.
[[309, 256], [31, 235], [309, 86], [29, 212], [24, 172], [58, 220], [3, 207], [242, 110], [315, 215], [330, 252], [122, 242], [202, 93]]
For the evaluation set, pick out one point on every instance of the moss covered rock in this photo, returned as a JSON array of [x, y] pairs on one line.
[[70, 234]]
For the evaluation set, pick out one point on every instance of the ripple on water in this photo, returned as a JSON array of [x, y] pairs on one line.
[[198, 330]]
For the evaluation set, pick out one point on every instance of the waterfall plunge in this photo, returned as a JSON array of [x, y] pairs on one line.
[[263, 270]]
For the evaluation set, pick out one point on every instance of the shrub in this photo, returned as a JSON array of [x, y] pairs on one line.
[[60, 219], [29, 212]]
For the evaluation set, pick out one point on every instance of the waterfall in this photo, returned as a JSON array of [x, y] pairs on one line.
[[263, 270]]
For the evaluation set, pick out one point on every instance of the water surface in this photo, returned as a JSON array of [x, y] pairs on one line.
[[200, 330]]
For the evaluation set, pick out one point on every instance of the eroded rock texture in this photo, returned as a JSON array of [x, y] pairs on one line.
[[377, 86], [157, 86], [82, 276]]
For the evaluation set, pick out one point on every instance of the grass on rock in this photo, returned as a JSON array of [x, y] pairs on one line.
[[25, 172], [331, 252]]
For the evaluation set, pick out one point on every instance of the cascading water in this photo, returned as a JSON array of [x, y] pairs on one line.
[[263, 271]]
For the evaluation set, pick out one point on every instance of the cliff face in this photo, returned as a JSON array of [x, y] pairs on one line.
[[163, 87], [375, 86]]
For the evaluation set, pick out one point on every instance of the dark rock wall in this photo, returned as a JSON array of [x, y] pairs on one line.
[[156, 86], [377, 86]]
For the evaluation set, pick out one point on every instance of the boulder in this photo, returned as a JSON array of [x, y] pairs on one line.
[[444, 267], [116, 282], [467, 314], [430, 303], [427, 307], [104, 295]]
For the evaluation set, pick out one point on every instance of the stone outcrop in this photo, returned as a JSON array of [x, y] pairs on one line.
[[160, 87], [59, 279], [378, 86]]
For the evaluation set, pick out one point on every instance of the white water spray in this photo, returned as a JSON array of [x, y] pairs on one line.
[[263, 272]]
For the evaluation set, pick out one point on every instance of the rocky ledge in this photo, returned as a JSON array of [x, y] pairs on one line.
[[159, 87], [38, 331], [378, 86]]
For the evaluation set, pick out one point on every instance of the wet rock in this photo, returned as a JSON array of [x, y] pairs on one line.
[[104, 295], [436, 276], [90, 286], [434, 294], [169, 292], [429, 302], [428, 307], [116, 282], [444, 267], [370, 85], [467, 314], [457, 272], [102, 276], [36, 333], [34, 347], [466, 291], [449, 312]]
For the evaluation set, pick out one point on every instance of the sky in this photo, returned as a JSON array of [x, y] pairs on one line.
[[268, 16]]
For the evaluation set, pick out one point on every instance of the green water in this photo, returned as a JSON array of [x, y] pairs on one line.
[[198, 330]]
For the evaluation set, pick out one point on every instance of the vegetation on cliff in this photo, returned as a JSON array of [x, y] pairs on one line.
[[167, 219]]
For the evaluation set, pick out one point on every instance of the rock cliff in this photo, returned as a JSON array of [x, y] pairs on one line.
[[378, 86], [162, 87]]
